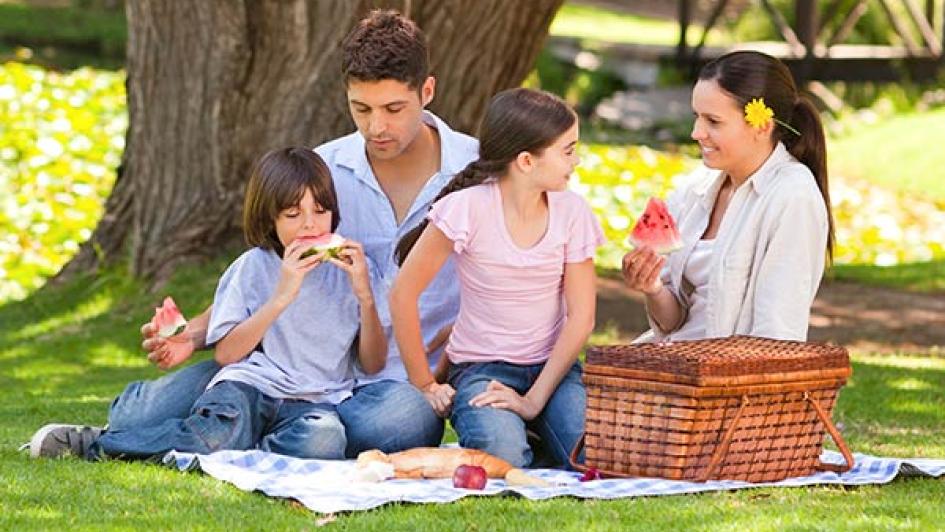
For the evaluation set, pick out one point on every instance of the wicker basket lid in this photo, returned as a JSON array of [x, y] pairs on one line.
[[731, 360]]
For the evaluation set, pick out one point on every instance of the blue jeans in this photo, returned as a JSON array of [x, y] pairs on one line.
[[391, 416], [502, 432], [150, 403], [234, 415]]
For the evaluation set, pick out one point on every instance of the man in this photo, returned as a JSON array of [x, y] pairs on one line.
[[386, 175]]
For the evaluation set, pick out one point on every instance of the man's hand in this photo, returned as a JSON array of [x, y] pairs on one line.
[[166, 353], [498, 395]]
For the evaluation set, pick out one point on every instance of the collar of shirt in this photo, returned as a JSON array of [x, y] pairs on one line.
[[452, 160], [758, 181]]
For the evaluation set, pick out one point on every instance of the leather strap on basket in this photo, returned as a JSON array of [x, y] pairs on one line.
[[835, 434], [722, 448]]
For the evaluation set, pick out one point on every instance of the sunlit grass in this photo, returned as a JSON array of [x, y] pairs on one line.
[[893, 405]]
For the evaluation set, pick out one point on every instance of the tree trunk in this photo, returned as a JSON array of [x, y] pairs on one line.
[[214, 84]]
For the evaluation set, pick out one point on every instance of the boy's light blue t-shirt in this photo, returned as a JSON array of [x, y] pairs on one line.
[[307, 351], [367, 216]]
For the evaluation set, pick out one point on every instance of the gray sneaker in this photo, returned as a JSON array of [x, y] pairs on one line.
[[55, 440]]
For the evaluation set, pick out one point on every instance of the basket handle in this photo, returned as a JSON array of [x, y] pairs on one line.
[[722, 448], [837, 438], [604, 473]]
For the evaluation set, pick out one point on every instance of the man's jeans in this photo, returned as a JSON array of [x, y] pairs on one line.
[[502, 432], [386, 415], [234, 415], [391, 416]]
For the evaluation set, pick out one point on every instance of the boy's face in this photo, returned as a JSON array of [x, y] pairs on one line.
[[388, 114], [307, 219]]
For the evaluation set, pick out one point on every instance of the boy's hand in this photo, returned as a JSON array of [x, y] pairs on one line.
[[351, 260], [293, 271]]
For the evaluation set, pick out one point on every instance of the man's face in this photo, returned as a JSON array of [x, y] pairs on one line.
[[388, 114]]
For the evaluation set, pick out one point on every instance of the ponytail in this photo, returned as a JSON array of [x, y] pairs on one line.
[[474, 174], [810, 148]]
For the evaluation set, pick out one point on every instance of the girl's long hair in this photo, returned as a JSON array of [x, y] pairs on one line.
[[517, 120]]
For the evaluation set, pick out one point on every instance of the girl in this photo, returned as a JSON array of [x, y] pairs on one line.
[[523, 247], [755, 223], [283, 328]]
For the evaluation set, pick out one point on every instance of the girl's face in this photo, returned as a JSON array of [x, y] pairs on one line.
[[553, 168], [307, 219], [727, 141]]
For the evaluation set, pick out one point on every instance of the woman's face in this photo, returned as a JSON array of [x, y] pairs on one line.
[[307, 219], [726, 140]]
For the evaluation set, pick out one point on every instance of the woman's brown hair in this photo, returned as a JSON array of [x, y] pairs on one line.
[[746, 75]]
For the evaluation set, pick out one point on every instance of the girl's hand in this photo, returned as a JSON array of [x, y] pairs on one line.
[[351, 259], [167, 352], [440, 397], [498, 395], [641, 270], [293, 271]]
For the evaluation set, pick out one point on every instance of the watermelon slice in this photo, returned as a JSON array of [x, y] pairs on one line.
[[656, 229], [167, 320], [329, 242]]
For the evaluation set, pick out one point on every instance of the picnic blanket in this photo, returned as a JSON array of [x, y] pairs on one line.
[[327, 486]]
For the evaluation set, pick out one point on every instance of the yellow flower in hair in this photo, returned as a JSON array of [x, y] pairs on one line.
[[757, 114]]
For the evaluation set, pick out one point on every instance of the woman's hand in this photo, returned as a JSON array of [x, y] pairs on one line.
[[440, 397], [498, 395], [351, 260], [641, 270], [293, 271]]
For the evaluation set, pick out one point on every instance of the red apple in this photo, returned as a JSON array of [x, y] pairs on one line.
[[469, 477]]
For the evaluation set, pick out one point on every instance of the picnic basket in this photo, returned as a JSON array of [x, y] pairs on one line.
[[740, 408]]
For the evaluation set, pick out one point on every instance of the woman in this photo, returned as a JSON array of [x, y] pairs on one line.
[[755, 222]]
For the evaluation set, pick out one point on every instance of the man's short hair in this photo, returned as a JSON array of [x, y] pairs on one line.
[[385, 45]]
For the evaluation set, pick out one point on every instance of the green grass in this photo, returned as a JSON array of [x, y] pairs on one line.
[[94, 29], [596, 24], [67, 350], [899, 153], [916, 276]]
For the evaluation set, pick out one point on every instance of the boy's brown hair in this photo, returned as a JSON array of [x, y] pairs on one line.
[[385, 45], [278, 182]]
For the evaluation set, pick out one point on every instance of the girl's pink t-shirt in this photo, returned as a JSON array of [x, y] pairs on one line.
[[512, 303]]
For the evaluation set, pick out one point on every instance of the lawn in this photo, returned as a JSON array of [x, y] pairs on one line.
[[67, 350], [596, 24], [897, 153]]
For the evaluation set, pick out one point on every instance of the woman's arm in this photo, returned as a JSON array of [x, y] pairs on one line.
[[580, 297], [641, 270], [792, 267], [425, 260]]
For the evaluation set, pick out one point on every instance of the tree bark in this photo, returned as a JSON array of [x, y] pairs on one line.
[[213, 84]]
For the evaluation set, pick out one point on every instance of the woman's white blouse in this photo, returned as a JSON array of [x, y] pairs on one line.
[[768, 255], [697, 272]]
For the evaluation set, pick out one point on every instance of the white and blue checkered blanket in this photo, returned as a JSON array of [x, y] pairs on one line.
[[327, 486]]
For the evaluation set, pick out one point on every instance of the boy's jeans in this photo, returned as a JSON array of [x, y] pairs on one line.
[[502, 432], [388, 415], [234, 415]]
